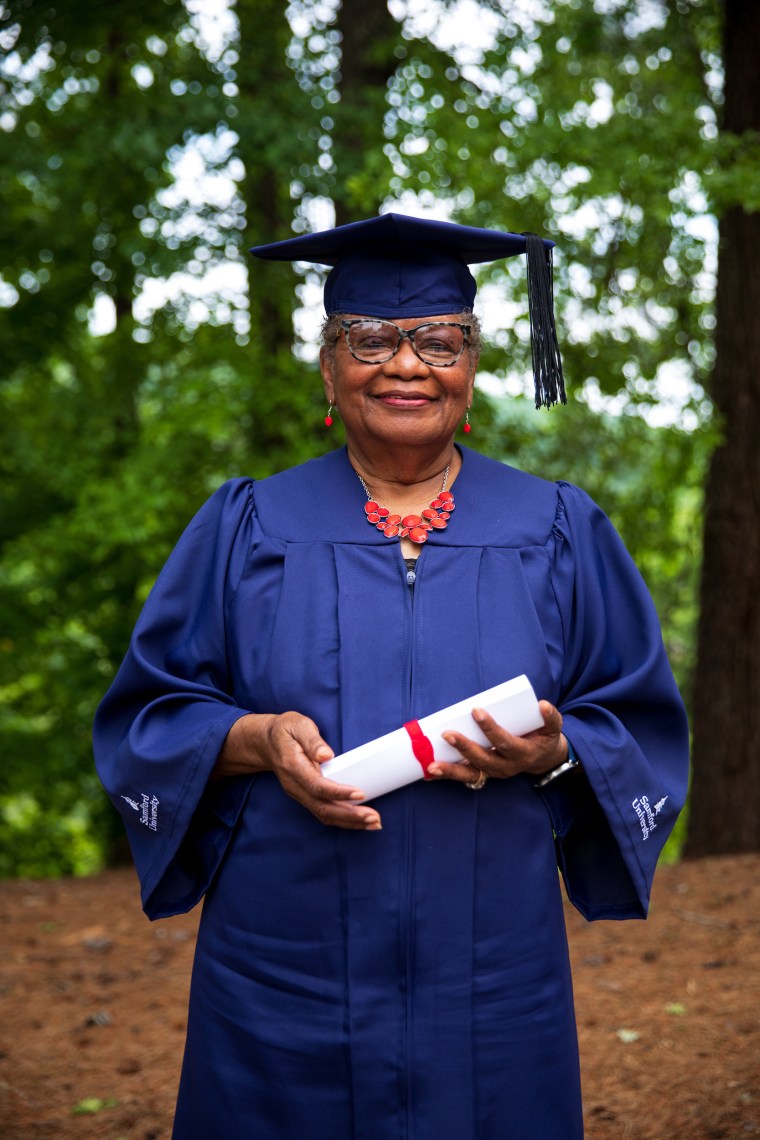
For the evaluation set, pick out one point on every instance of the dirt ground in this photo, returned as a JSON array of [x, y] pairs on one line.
[[92, 1009]]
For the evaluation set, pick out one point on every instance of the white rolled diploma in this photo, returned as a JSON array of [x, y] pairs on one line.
[[388, 762]]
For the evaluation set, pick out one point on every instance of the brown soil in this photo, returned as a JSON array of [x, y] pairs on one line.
[[92, 1009]]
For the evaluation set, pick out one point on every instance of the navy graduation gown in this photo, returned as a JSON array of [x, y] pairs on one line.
[[412, 982]]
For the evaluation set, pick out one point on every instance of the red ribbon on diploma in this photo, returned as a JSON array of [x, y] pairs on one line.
[[421, 746]]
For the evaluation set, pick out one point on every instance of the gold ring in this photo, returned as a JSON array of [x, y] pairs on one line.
[[478, 784]]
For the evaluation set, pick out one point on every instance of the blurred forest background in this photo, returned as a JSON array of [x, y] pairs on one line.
[[146, 144]]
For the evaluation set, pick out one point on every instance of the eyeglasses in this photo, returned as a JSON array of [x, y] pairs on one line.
[[439, 343]]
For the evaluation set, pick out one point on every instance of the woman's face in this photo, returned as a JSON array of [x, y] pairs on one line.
[[403, 401]]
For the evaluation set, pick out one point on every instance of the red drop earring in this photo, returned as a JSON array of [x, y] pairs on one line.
[[467, 428], [328, 417]]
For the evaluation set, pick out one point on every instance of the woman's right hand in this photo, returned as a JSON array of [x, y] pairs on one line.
[[289, 745]]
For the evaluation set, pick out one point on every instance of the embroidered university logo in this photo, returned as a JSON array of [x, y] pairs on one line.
[[646, 814], [148, 809]]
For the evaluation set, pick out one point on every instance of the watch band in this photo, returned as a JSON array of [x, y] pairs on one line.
[[566, 766]]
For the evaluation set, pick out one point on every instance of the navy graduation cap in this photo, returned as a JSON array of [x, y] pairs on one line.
[[396, 266]]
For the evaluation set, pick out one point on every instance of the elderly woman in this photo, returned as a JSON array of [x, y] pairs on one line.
[[396, 968]]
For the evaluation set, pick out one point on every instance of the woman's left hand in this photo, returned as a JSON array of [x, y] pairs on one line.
[[534, 754]]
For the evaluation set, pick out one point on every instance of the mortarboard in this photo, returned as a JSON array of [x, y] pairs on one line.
[[396, 266]]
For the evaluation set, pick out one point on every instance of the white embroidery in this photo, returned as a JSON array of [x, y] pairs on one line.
[[659, 805], [148, 809], [643, 810]]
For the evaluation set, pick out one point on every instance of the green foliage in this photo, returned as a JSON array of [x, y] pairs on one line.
[[93, 108], [598, 129]]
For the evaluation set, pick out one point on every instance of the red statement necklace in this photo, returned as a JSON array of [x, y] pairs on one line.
[[414, 527]]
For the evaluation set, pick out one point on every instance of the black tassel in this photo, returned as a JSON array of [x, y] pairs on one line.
[[547, 363]]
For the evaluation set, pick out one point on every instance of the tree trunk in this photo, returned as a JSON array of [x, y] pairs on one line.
[[271, 120], [369, 35], [273, 123], [725, 797]]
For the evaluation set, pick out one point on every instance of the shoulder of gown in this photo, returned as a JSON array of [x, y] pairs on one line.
[[621, 711], [159, 728], [323, 500]]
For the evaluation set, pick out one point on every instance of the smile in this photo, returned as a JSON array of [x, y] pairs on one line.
[[403, 399]]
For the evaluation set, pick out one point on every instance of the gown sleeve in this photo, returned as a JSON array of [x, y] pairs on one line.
[[159, 729], [623, 714]]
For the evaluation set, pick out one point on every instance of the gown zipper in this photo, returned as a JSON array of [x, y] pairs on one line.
[[408, 893]]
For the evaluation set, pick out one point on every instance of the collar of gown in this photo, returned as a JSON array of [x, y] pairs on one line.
[[323, 500]]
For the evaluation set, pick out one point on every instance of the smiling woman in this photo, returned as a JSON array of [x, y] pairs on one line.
[[381, 378], [396, 968]]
